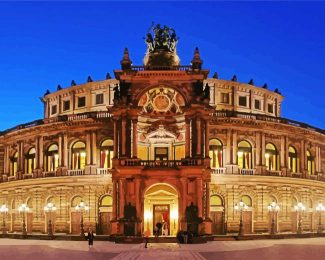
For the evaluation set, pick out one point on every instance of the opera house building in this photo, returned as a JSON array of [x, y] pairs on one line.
[[162, 143]]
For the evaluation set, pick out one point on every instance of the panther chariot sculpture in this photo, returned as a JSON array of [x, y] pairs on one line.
[[161, 48]]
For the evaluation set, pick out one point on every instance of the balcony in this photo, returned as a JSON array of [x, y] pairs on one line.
[[161, 164]]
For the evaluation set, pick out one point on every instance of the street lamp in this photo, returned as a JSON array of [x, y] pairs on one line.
[[273, 208], [23, 209], [319, 208], [82, 207], [241, 206], [49, 208], [4, 211], [299, 208]]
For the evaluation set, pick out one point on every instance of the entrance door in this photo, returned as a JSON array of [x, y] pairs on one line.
[[294, 221], [217, 222], [247, 222], [161, 215], [161, 153], [105, 222], [75, 223], [29, 222]]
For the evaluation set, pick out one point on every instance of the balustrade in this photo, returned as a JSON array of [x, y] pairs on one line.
[[247, 171], [219, 171]]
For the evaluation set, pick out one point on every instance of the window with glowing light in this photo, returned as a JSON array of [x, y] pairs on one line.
[[52, 158], [78, 156], [247, 200], [293, 160], [13, 164], [271, 157], [30, 160], [310, 163], [215, 153], [106, 154], [244, 155]]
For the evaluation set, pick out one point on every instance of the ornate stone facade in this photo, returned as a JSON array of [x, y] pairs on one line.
[[158, 141]]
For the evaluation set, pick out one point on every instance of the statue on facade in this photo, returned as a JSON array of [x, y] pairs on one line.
[[161, 38], [116, 92], [206, 91]]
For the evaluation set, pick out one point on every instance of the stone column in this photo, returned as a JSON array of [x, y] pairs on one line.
[[138, 197], [228, 150], [134, 138], [123, 136], [115, 198], [234, 147], [263, 149], [93, 148], [7, 160], [302, 157], [60, 151], [37, 152], [122, 196], [207, 139], [65, 151], [187, 138], [207, 210], [88, 149], [199, 194], [258, 149], [282, 153], [115, 139], [199, 137], [183, 181], [41, 153]]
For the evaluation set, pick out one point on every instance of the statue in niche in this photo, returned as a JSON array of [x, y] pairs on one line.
[[207, 91], [116, 92]]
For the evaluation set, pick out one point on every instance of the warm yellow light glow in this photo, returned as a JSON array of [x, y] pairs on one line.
[[174, 214], [147, 215], [240, 153], [267, 155]]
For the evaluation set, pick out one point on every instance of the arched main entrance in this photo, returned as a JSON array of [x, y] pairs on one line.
[[161, 206]]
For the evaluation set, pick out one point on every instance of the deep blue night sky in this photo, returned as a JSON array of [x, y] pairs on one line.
[[46, 44]]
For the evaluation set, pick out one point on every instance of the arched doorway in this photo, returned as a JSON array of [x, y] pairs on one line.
[[161, 206], [217, 214], [105, 214]]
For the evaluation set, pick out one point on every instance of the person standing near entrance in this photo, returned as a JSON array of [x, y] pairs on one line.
[[146, 235], [90, 237]]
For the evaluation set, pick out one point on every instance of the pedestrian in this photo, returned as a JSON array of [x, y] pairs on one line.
[[146, 235], [90, 237]]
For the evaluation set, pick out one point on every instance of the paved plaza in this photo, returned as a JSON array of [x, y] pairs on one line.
[[309, 248]]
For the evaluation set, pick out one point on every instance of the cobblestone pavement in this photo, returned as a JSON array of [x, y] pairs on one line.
[[286, 249]]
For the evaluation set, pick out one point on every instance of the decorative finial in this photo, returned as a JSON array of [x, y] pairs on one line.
[[73, 83], [59, 87], [89, 79], [215, 75], [251, 82], [47, 92], [108, 76], [234, 78], [265, 86], [277, 91], [197, 62], [126, 63]]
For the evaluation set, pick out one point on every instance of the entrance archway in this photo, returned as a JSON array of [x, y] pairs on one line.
[[161, 206]]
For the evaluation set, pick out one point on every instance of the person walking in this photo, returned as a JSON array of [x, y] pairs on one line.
[[90, 237], [146, 235]]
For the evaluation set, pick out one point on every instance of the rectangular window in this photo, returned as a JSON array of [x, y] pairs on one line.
[[242, 101], [53, 109], [270, 108], [224, 98], [81, 101], [99, 99], [66, 105], [257, 104]]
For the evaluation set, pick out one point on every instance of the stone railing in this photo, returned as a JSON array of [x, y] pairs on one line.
[[273, 173], [246, 171], [261, 117], [103, 171], [62, 118], [76, 172], [218, 171], [161, 163]]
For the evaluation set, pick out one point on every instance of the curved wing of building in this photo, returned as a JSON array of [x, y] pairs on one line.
[[163, 145]]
